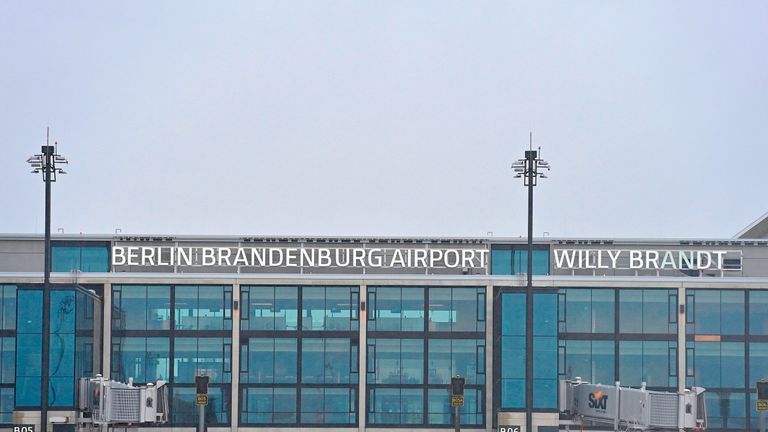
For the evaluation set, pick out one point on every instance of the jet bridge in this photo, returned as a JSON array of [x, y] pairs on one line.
[[634, 409], [102, 402]]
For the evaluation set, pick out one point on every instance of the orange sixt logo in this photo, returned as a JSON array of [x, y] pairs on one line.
[[598, 400]]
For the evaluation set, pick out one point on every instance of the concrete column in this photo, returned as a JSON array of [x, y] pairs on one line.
[[106, 339], [681, 366], [235, 388], [489, 357], [362, 359]]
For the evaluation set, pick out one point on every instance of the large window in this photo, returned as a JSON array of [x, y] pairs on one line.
[[417, 339], [204, 307], [513, 352], [758, 312], [584, 310], [545, 350], [715, 312], [29, 344], [145, 359], [395, 361], [456, 309], [715, 364], [652, 362], [7, 352], [451, 357], [648, 311], [509, 260], [141, 307], [396, 309], [80, 256], [175, 333], [269, 361], [330, 308], [270, 308], [591, 360], [299, 355]]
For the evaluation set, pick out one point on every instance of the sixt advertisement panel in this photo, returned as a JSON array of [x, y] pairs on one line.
[[597, 401]]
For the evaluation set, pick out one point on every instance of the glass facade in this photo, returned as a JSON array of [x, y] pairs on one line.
[[418, 338], [299, 355], [174, 332], [299, 346], [513, 259], [574, 334], [80, 256]]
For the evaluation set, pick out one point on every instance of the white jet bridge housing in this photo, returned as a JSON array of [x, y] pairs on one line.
[[629, 408], [104, 402]]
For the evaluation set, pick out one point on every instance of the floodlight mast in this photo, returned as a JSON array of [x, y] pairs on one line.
[[528, 170], [46, 163]]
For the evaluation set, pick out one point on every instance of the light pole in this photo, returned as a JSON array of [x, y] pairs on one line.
[[45, 163], [528, 169]]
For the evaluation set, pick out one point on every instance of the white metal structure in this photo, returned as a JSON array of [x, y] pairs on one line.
[[111, 403], [634, 409]]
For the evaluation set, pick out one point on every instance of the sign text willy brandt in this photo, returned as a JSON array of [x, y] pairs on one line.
[[632, 259]]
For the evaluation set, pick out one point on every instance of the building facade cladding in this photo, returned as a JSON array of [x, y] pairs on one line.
[[356, 348]]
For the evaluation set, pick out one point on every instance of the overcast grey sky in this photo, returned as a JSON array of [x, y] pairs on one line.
[[386, 118]]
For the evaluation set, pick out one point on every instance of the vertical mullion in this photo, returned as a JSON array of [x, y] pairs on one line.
[[371, 304], [245, 304]]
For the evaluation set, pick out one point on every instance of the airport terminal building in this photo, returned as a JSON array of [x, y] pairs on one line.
[[352, 333]]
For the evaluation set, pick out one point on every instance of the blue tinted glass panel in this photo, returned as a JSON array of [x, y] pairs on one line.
[[330, 308], [501, 261], [540, 262], [648, 311], [591, 360], [6, 405], [8, 308], [7, 360], [269, 360], [396, 406], [141, 307], [29, 347], [544, 393], [545, 314], [184, 410], [717, 312], [143, 359], [440, 411], [513, 350], [270, 308], [396, 361], [328, 406], [726, 410], [718, 364], [94, 259], [513, 314], [82, 258], [209, 356], [456, 309], [651, 361], [758, 361], [758, 312], [62, 349], [327, 360], [65, 258], [451, 357], [396, 309], [268, 405]]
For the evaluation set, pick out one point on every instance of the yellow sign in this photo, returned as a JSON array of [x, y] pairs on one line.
[[762, 405], [202, 399], [457, 401]]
